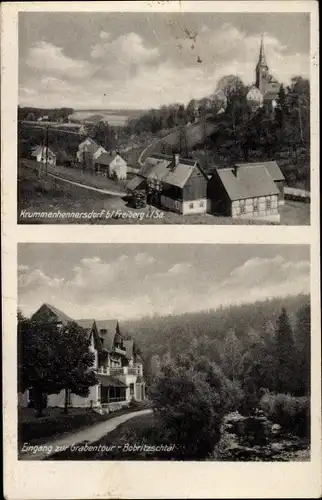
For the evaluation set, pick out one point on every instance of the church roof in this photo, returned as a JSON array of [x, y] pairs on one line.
[[262, 58]]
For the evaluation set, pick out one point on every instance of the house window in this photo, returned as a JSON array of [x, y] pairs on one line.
[[242, 206], [131, 389], [256, 204], [268, 204], [201, 204], [190, 205]]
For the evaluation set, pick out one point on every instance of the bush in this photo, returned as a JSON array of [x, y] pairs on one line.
[[292, 413], [187, 408]]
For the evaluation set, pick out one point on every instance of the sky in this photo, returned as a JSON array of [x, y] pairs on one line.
[[143, 60], [127, 281]]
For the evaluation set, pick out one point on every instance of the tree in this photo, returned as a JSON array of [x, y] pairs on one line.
[[31, 117], [189, 398], [76, 361], [284, 354], [52, 358], [231, 354], [100, 133], [303, 349], [38, 364]]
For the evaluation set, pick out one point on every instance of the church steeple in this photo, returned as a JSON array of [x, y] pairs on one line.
[[262, 60], [261, 69]]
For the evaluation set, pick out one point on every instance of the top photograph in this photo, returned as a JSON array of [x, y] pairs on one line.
[[164, 118]]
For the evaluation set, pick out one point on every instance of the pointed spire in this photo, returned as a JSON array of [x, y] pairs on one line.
[[262, 59]]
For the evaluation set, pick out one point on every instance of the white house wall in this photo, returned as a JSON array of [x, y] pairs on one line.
[[262, 213], [185, 207]]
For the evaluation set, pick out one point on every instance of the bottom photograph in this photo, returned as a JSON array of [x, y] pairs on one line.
[[163, 352]]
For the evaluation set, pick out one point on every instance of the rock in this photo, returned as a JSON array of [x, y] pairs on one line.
[[277, 447], [276, 429]]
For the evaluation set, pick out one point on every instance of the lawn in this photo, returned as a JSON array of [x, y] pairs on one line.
[[50, 195]]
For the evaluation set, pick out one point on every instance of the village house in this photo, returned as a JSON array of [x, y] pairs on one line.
[[88, 152], [179, 184], [275, 172], [244, 191], [111, 165], [42, 154], [117, 364]]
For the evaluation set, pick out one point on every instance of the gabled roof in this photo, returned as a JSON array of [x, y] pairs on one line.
[[39, 150], [250, 182], [160, 167], [128, 344], [105, 159], [87, 324], [134, 182], [110, 325], [92, 147], [61, 316], [271, 166]]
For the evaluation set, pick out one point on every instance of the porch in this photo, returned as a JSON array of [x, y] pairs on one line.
[[111, 390]]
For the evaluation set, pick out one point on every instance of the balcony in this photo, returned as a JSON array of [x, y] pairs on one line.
[[122, 370], [120, 350]]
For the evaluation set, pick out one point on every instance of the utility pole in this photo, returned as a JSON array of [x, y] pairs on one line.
[[46, 142], [300, 120]]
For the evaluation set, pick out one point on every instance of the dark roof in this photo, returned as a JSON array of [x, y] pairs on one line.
[[105, 159], [271, 166], [92, 147], [134, 182], [59, 314], [107, 381], [110, 326], [128, 344], [161, 167], [250, 182], [87, 324]]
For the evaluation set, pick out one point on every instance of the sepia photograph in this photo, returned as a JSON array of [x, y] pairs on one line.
[[164, 352], [164, 118]]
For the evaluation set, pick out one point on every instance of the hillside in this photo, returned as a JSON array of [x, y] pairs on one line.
[[208, 330]]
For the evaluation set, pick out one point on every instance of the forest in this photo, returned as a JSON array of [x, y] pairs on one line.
[[249, 364]]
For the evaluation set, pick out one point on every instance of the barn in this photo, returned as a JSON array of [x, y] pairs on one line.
[[244, 191], [274, 171]]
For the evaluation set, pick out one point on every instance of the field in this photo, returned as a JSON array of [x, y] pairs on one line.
[[53, 195]]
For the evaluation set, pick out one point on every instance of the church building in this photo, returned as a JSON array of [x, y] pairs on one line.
[[265, 82]]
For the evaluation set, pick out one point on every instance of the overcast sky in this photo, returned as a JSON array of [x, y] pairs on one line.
[[140, 60], [130, 281]]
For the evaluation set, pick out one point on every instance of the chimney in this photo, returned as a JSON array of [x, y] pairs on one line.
[[175, 159], [235, 169]]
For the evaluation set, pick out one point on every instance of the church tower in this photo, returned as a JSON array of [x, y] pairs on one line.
[[262, 74]]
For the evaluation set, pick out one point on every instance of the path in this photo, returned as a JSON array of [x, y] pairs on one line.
[[79, 184], [90, 435], [86, 186]]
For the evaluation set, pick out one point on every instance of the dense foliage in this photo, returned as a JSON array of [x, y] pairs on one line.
[[53, 115], [190, 397], [292, 413], [261, 361], [53, 358], [248, 342]]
